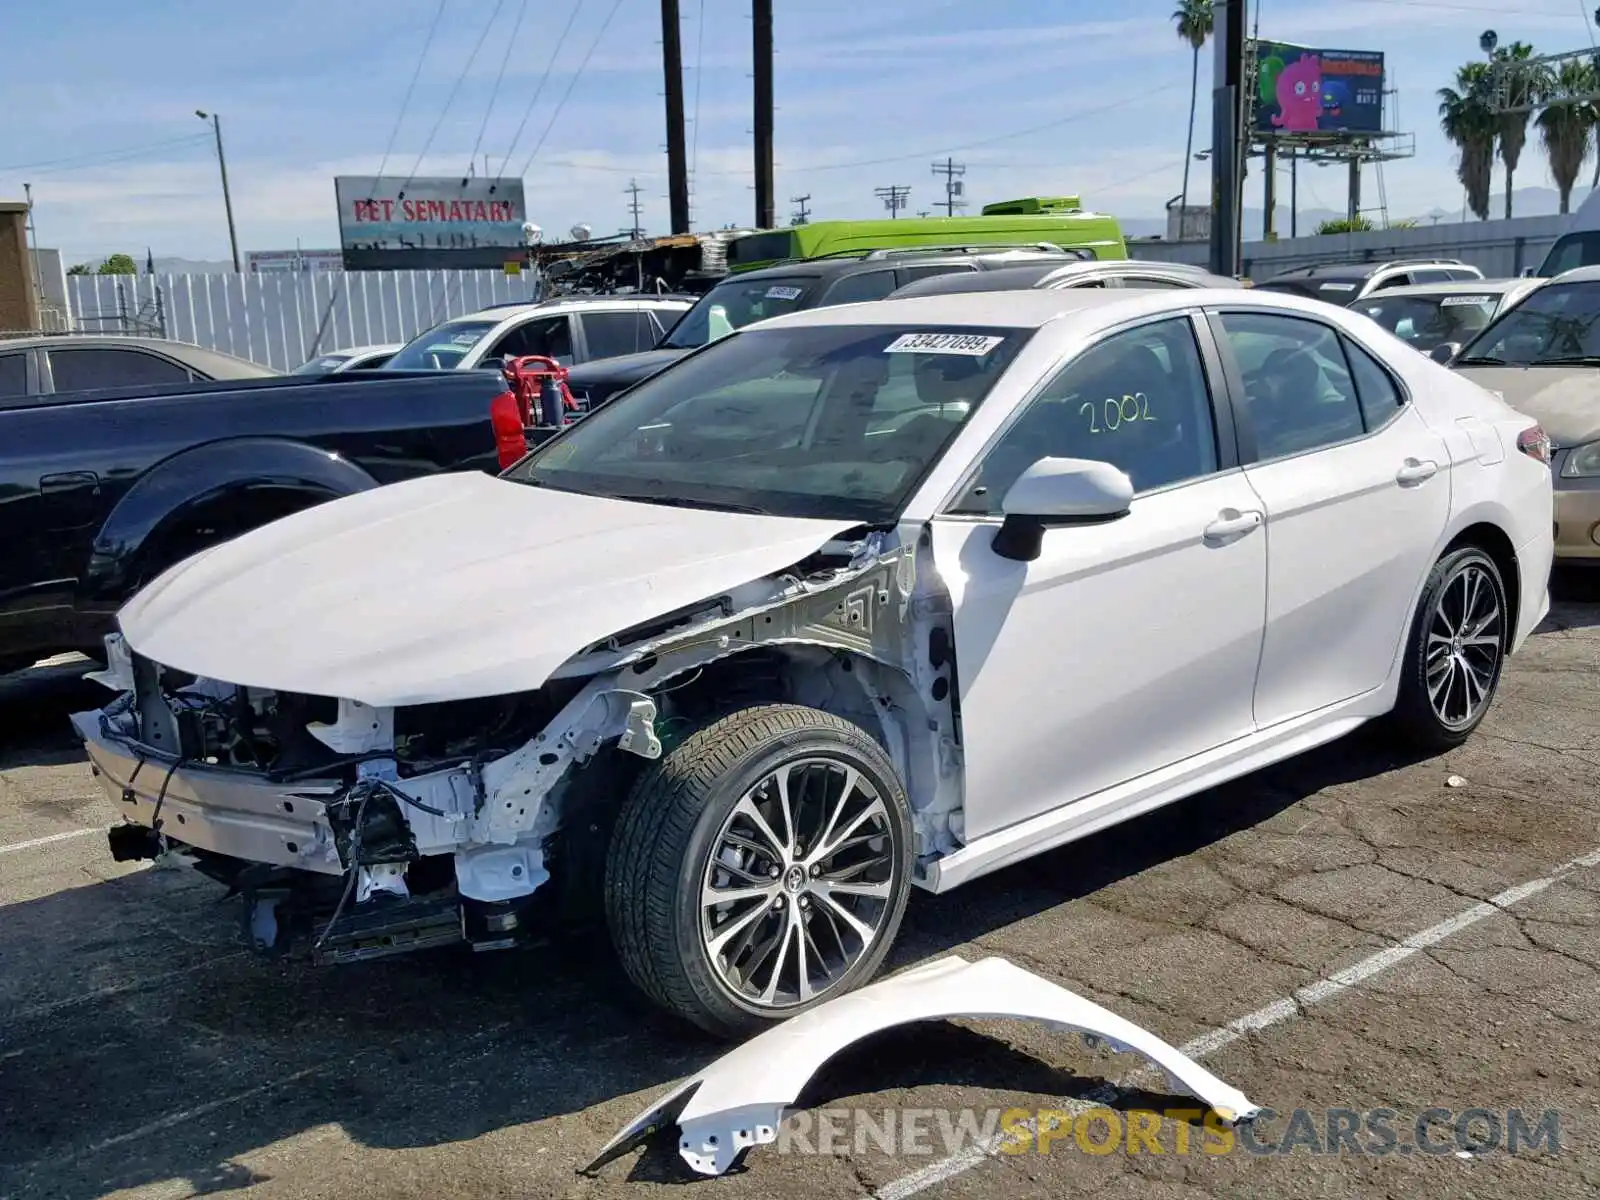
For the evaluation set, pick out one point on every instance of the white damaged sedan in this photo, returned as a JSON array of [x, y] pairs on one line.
[[856, 599]]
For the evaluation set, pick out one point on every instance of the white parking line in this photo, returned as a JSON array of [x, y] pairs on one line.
[[45, 841], [115, 989], [1264, 1017]]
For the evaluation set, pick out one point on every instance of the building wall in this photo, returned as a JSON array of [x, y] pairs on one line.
[[281, 319], [1499, 249], [19, 297]]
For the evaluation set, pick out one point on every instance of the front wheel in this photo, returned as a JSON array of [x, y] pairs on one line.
[[760, 868], [1455, 652]]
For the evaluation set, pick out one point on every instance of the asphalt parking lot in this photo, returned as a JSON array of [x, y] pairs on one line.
[[1349, 931]]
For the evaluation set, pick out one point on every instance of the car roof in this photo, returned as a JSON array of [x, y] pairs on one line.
[[1363, 270], [561, 304], [208, 362], [1453, 287], [1037, 307], [909, 256]]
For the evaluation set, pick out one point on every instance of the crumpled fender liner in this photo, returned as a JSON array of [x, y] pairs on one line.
[[739, 1100]]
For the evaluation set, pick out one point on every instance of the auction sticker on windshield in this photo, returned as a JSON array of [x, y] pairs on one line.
[[1453, 301], [972, 344], [779, 292]]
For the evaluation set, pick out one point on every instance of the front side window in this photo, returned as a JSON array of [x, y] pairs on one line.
[[1572, 250], [1557, 324], [835, 421], [1298, 388], [857, 289], [443, 347], [547, 336], [735, 303], [1424, 322], [1137, 400]]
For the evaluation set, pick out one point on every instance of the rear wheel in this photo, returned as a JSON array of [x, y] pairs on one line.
[[760, 868], [1455, 652]]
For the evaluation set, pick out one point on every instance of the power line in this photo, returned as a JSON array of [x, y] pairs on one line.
[[451, 98], [511, 42], [538, 90], [953, 188], [699, 55], [79, 161], [576, 75], [412, 86], [801, 213]]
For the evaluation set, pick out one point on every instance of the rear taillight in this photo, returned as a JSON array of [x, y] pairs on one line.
[[505, 418], [1535, 443]]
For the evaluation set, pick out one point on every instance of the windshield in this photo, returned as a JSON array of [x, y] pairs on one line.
[[1572, 250], [743, 302], [1428, 321], [834, 421], [321, 366], [442, 347], [1557, 323]]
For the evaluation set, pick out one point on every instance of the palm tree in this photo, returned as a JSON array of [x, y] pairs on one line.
[[1568, 121], [1468, 120], [1525, 85], [1195, 23]]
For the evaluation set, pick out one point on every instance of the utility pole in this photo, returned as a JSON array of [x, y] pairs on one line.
[[633, 189], [953, 189], [677, 155], [761, 70], [227, 198], [801, 214], [1227, 138], [894, 197], [33, 243]]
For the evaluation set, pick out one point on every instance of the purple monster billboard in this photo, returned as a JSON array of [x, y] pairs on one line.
[[1303, 91]]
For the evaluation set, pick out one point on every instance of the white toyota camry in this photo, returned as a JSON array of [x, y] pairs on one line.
[[851, 601]]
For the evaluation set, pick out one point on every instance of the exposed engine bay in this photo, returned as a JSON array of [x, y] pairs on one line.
[[360, 831]]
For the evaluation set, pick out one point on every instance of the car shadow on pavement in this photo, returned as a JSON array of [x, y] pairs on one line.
[[34, 706]]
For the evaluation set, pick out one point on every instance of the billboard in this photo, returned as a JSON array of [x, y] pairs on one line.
[[403, 224], [1302, 91]]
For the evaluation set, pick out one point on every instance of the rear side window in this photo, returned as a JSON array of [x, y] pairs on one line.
[[13, 374], [1379, 395], [1441, 275], [79, 370], [614, 333]]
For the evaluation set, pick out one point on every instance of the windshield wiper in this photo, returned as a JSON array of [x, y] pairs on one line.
[[1568, 360], [1479, 360], [684, 502]]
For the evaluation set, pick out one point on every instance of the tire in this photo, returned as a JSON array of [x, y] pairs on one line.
[[1434, 720], [675, 822]]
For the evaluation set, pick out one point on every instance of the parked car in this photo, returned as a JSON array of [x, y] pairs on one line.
[[1127, 273], [1543, 356], [357, 358], [43, 366], [1345, 283], [1428, 315], [105, 489], [847, 278], [858, 598], [572, 329]]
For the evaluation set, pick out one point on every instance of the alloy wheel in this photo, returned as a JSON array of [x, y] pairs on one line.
[[799, 883], [1466, 644]]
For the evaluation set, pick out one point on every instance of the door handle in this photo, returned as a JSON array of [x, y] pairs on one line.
[[69, 481], [1416, 471], [1230, 522]]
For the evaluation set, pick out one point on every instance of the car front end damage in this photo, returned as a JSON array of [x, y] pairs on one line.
[[363, 831]]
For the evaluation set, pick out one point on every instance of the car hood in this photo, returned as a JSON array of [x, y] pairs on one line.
[[1564, 400], [446, 587], [624, 369]]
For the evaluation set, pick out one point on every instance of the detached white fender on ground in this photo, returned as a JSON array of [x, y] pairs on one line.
[[739, 1100]]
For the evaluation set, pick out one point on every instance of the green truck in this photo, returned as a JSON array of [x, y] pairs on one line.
[[1053, 220]]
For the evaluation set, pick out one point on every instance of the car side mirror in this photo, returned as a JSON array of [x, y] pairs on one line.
[[1443, 353], [1056, 492]]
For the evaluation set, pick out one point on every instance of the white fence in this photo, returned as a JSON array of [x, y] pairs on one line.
[[1500, 249], [281, 320]]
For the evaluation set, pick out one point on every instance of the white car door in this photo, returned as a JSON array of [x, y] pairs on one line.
[[1356, 487], [1125, 646]]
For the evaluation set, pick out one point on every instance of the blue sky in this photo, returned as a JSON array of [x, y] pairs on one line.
[[868, 95]]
